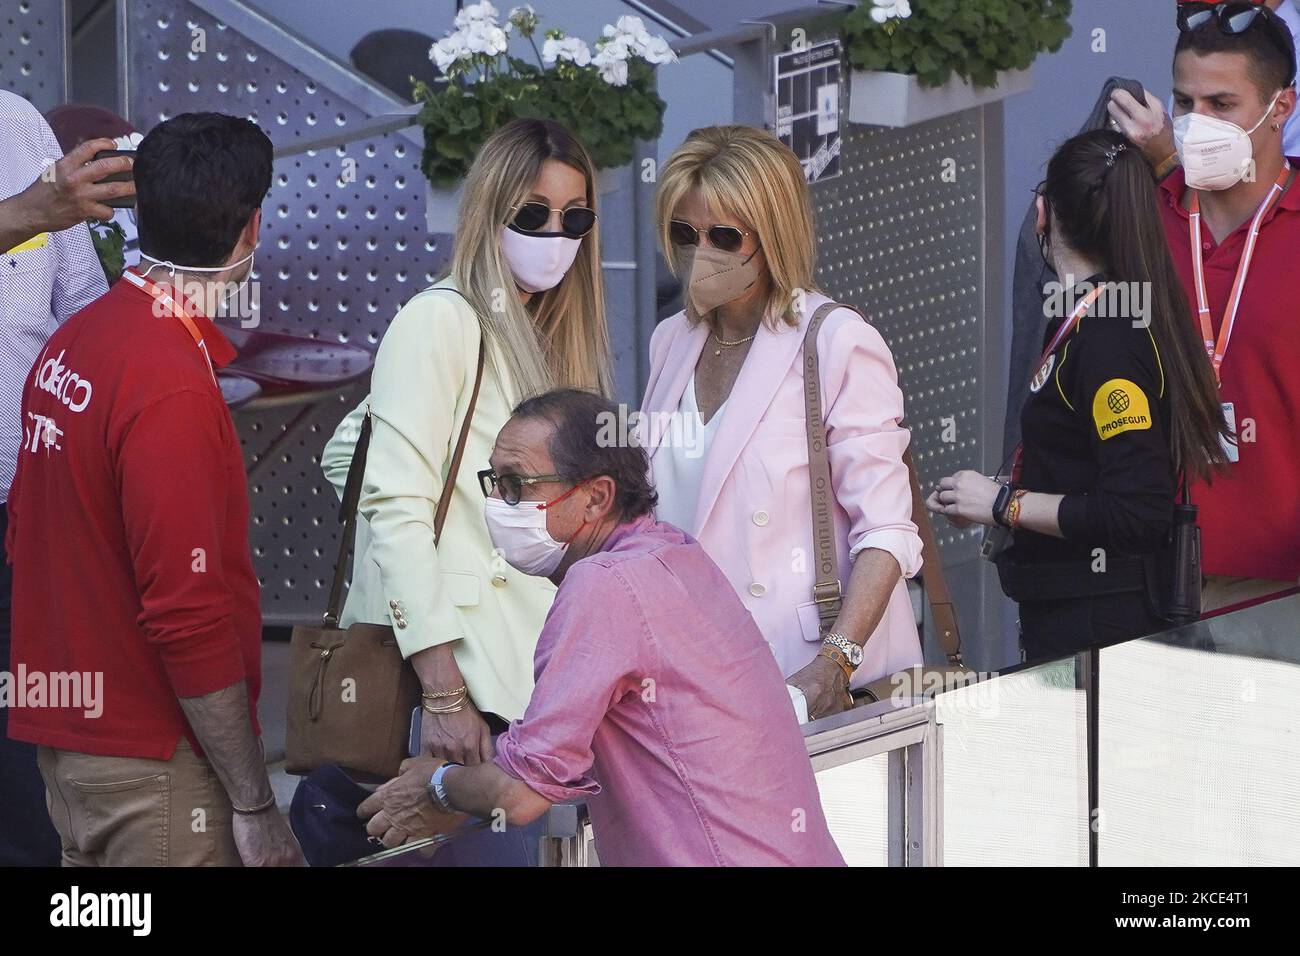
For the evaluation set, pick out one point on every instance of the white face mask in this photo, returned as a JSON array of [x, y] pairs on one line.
[[538, 263], [519, 533], [172, 268], [1215, 154]]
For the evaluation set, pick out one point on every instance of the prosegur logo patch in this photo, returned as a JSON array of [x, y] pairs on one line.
[[1120, 406]]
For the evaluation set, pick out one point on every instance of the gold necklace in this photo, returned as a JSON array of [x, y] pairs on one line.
[[726, 345]]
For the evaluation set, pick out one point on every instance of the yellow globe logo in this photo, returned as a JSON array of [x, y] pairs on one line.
[[1117, 401]]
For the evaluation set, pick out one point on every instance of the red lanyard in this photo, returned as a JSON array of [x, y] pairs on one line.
[[1216, 350], [1066, 328], [172, 307]]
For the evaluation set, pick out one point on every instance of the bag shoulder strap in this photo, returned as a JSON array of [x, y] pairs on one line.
[[827, 590], [356, 471], [444, 500], [942, 611]]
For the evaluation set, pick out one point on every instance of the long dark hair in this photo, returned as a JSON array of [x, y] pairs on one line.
[[1102, 194]]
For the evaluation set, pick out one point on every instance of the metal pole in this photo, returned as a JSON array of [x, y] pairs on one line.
[[1088, 666]]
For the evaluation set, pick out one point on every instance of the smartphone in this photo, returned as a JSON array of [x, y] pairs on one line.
[[413, 742], [123, 202]]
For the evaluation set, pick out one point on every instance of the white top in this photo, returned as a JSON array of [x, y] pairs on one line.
[[679, 463]]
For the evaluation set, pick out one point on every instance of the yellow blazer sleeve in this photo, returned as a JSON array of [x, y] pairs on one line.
[[419, 391]]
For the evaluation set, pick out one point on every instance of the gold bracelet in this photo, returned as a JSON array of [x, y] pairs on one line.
[[455, 708], [437, 695]]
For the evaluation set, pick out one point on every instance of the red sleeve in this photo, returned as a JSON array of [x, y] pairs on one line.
[[173, 475]]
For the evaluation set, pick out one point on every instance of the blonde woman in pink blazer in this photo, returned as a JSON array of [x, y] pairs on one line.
[[726, 428]]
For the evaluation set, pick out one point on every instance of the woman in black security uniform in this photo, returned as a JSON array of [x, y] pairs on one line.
[[1122, 404]]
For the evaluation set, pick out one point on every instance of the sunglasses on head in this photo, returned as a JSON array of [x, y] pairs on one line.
[[533, 216], [1234, 17], [726, 238]]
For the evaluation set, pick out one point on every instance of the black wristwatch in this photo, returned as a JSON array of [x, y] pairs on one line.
[[1000, 505]]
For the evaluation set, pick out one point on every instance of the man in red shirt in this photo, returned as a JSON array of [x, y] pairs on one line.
[[1233, 93], [135, 604]]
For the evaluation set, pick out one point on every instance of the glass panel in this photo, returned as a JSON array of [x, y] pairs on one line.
[[1200, 743], [855, 801], [1015, 784]]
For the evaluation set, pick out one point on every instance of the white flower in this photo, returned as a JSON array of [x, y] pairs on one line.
[[524, 17], [612, 70], [886, 9], [628, 37], [615, 74], [631, 25], [658, 51], [615, 49], [486, 38], [573, 49], [449, 50], [476, 13]]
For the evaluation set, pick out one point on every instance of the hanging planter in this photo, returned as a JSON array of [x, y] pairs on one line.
[[604, 94], [914, 60], [900, 99]]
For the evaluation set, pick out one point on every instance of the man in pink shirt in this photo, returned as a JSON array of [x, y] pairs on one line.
[[658, 701]]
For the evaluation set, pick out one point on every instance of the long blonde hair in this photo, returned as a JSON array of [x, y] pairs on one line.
[[560, 337], [750, 173]]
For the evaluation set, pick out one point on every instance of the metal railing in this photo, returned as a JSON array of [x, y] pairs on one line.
[[909, 734]]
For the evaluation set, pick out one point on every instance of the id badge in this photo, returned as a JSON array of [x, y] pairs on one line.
[[996, 540], [1230, 448]]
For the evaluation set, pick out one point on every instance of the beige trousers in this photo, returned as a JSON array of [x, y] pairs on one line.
[[1218, 591], [130, 811]]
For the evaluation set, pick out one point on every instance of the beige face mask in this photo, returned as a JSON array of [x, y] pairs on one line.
[[712, 277]]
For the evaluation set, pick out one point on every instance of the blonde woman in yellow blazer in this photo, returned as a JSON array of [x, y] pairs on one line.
[[524, 286]]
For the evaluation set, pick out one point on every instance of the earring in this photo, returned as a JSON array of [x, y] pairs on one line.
[[1276, 127]]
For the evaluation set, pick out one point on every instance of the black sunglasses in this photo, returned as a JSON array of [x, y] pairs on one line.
[[1235, 17], [726, 238], [532, 217], [511, 486]]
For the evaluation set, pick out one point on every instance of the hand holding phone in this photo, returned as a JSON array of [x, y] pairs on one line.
[[76, 188], [125, 200]]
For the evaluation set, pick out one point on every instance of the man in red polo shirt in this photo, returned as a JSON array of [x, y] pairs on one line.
[[1231, 206], [135, 605]]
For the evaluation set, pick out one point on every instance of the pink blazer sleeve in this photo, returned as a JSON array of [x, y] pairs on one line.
[[864, 407]]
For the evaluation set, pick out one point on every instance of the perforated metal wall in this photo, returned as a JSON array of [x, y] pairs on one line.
[[33, 50], [337, 258], [909, 248]]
